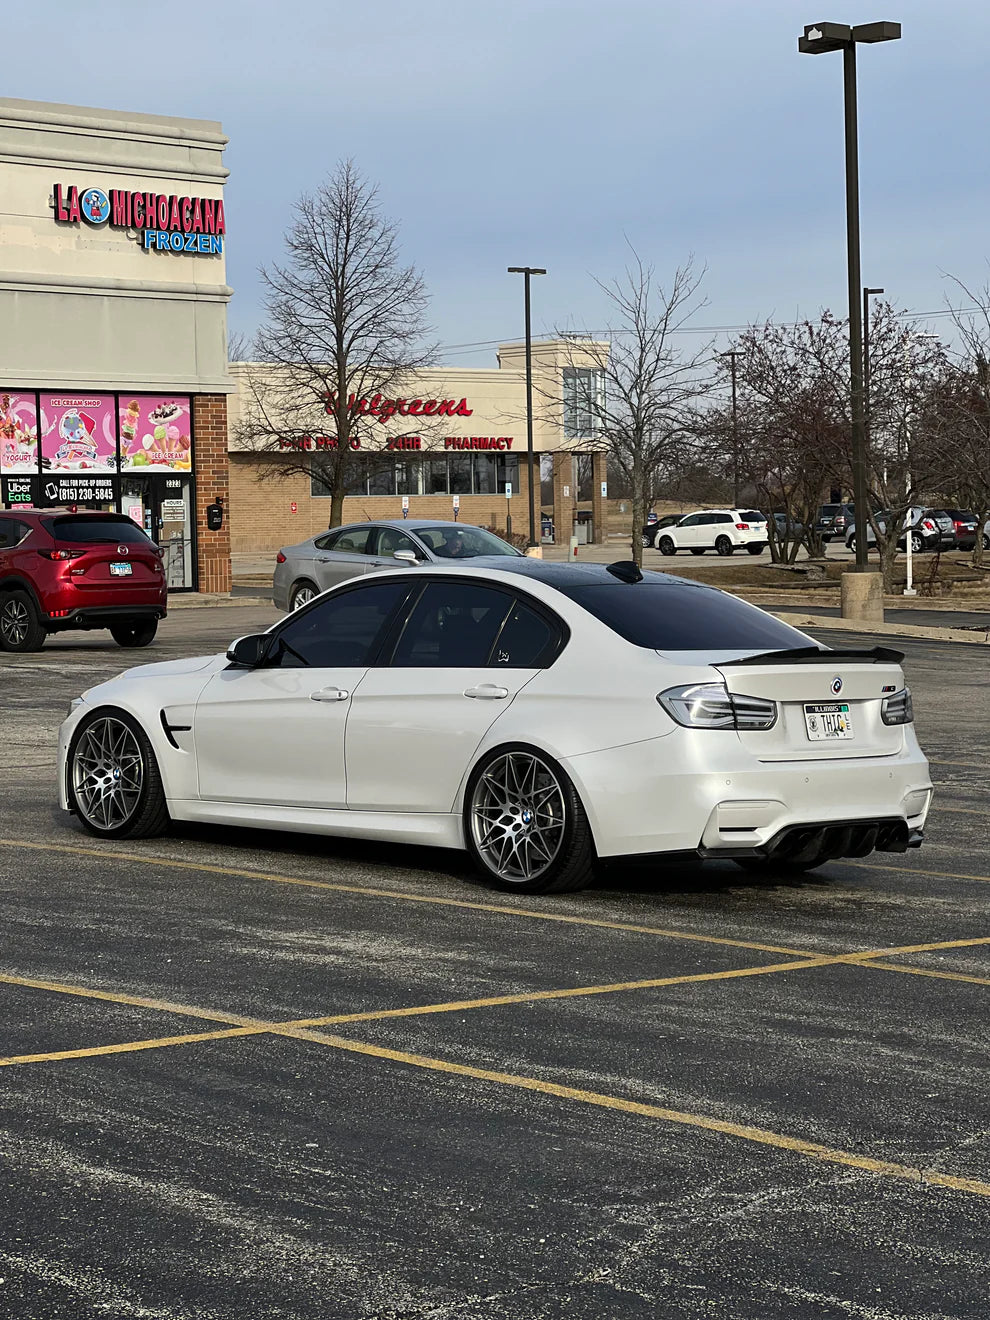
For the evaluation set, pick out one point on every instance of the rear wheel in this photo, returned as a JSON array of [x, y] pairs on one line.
[[645, 541], [723, 546], [917, 543], [666, 546], [302, 594], [115, 787], [755, 549], [986, 541], [134, 632], [698, 550], [524, 823], [21, 628]]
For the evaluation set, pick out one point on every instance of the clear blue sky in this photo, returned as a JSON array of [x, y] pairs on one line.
[[547, 132]]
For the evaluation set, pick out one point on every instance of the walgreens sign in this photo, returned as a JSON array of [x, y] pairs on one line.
[[164, 221], [383, 408]]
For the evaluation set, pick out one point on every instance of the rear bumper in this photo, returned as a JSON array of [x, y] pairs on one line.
[[840, 838], [101, 616]]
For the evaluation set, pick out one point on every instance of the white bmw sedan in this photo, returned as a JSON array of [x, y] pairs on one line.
[[542, 716]]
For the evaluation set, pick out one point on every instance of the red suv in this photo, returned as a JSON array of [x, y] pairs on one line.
[[63, 571]]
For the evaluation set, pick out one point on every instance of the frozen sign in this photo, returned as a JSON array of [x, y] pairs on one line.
[[154, 434], [18, 433], [78, 433], [163, 221]]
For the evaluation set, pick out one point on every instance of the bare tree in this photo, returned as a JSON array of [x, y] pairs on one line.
[[238, 346], [345, 329], [637, 389]]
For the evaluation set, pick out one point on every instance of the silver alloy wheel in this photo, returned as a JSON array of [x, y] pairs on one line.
[[302, 596], [917, 544], [14, 621], [107, 773], [518, 816]]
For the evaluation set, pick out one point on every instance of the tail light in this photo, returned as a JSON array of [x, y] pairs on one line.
[[928, 525], [713, 706], [898, 709], [280, 558], [61, 554], [742, 527]]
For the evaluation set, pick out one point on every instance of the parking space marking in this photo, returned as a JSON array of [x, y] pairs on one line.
[[964, 811], [366, 891], [127, 1047], [809, 1149], [929, 971], [970, 765], [131, 1001], [913, 870]]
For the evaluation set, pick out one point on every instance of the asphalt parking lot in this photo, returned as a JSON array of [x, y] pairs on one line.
[[256, 1075]]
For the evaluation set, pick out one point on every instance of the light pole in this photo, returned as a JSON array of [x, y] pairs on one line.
[[909, 533], [818, 39], [526, 272], [732, 354], [866, 362]]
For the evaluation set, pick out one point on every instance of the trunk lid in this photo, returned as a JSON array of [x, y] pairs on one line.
[[817, 692]]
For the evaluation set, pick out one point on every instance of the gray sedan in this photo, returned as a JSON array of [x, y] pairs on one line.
[[303, 571]]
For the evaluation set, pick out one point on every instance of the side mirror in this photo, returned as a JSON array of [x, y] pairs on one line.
[[405, 557], [248, 652]]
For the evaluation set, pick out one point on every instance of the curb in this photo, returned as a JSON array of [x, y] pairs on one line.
[[196, 600], [883, 629]]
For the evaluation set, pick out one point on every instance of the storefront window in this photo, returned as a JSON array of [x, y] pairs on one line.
[[155, 434], [435, 479], [78, 433], [460, 476], [18, 433], [508, 473], [484, 475], [584, 399]]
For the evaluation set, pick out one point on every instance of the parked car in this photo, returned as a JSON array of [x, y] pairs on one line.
[[834, 521], [721, 530], [653, 529], [795, 530], [930, 529], [62, 571], [303, 571], [964, 525], [539, 715]]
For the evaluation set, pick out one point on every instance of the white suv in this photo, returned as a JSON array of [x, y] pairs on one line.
[[721, 530]]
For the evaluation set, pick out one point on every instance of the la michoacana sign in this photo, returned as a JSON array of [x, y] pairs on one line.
[[164, 222]]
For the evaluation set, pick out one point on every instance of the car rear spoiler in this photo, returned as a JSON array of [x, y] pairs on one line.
[[813, 655]]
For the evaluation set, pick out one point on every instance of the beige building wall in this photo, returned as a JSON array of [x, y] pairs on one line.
[[88, 306]]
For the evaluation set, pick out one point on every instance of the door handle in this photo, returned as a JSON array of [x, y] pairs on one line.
[[330, 694], [487, 692]]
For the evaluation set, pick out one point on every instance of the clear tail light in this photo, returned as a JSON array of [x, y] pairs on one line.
[[713, 706], [898, 709]]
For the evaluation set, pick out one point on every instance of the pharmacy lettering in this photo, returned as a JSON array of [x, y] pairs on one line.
[[163, 221]]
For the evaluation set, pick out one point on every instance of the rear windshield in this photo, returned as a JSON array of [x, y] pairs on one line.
[[87, 531], [753, 515], [671, 617]]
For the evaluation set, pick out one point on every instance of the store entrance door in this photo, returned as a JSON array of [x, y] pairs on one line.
[[162, 505]]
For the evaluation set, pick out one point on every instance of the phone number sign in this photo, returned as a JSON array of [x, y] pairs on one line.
[[59, 489]]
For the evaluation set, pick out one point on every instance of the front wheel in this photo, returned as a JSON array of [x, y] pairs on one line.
[[986, 541], [666, 546], [525, 827], [20, 627], [115, 787], [134, 632], [723, 546]]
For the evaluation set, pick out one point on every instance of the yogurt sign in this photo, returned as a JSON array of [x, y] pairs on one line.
[[155, 433]]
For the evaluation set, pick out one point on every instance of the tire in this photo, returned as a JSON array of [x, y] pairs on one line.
[[755, 549], [134, 632], [114, 784], [723, 546], [21, 629], [301, 594], [778, 867], [698, 550], [645, 541], [851, 544], [517, 853], [666, 546], [986, 541], [917, 544]]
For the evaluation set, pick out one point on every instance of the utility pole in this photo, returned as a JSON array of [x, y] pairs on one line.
[[526, 272]]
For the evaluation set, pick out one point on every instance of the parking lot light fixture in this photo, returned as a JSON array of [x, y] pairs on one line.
[[819, 39], [526, 272]]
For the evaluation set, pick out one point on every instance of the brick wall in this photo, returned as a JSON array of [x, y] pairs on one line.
[[261, 516], [209, 415]]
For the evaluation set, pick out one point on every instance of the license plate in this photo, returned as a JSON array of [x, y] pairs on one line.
[[121, 570], [828, 720]]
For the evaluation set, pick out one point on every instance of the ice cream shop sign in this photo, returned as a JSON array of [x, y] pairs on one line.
[[163, 222]]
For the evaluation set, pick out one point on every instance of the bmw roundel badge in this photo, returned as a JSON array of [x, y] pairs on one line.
[[836, 685]]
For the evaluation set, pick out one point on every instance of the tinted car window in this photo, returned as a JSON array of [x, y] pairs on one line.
[[752, 515], [326, 541], [8, 533], [390, 540], [528, 640], [692, 520], [672, 617], [722, 518], [342, 631], [453, 625], [96, 530], [353, 541]]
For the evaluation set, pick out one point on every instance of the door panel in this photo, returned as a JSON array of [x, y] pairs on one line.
[[262, 737]]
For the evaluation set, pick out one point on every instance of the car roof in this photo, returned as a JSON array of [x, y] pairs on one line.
[[405, 524], [556, 574]]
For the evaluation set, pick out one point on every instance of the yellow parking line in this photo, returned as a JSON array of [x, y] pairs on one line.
[[400, 895], [127, 1047], [914, 870], [927, 971], [962, 811], [132, 1001], [809, 1149], [971, 765]]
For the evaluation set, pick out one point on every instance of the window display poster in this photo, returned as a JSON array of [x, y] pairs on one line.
[[18, 433], [78, 433], [154, 433]]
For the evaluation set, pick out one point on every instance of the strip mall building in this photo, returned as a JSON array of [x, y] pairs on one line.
[[453, 444], [113, 333]]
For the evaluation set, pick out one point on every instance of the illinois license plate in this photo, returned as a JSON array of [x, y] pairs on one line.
[[121, 570], [828, 720]]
